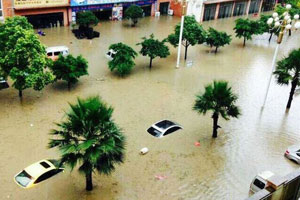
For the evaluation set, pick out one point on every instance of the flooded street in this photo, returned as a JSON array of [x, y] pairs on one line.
[[218, 169]]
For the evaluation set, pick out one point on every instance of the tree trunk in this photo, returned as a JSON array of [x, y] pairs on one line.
[[215, 128], [290, 32], [89, 182], [69, 85], [244, 42], [150, 63], [20, 93], [270, 37], [216, 50], [294, 85], [185, 54]]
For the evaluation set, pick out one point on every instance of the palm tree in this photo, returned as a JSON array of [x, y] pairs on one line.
[[288, 70], [218, 98], [90, 138]]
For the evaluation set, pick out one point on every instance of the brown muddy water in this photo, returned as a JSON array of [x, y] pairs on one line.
[[219, 168]]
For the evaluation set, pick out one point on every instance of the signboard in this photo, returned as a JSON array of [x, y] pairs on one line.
[[39, 3], [117, 13], [96, 2], [111, 5]]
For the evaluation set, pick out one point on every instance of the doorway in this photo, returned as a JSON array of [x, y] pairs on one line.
[[163, 8]]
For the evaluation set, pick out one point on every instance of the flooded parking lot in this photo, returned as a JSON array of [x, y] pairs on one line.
[[218, 169]]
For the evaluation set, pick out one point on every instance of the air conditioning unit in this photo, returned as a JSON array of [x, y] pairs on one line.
[[170, 12]]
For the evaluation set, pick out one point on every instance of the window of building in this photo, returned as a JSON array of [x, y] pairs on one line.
[[1, 10]]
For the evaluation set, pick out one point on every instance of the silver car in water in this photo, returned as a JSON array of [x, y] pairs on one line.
[[163, 128], [293, 153]]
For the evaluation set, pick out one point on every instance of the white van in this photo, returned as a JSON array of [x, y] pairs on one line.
[[54, 52], [260, 181]]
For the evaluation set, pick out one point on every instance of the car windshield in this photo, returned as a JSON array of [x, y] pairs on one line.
[[259, 184], [23, 178], [164, 124], [154, 132]]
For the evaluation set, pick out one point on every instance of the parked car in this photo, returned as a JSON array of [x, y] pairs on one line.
[[3, 83], [37, 172], [260, 181], [163, 128], [293, 153], [54, 52]]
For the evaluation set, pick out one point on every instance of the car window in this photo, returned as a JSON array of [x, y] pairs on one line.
[[165, 124], [171, 130], [57, 53], [49, 54], [154, 132], [23, 178], [47, 175], [44, 164], [259, 184]]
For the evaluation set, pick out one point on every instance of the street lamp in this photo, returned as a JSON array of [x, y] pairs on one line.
[[184, 6], [283, 22]]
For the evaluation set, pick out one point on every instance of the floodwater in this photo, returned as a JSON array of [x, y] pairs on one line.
[[218, 169]]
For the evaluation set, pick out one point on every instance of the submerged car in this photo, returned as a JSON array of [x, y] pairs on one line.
[[260, 181], [293, 153], [37, 172], [163, 128], [110, 54], [3, 83]]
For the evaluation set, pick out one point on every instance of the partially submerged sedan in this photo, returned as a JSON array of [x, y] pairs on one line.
[[37, 172], [163, 128], [293, 153]]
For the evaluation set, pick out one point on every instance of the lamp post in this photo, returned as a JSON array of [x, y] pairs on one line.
[[184, 6], [284, 23]]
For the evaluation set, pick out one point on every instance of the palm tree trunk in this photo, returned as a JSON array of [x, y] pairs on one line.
[[244, 42], [89, 182], [294, 85], [150, 63], [270, 37], [20, 93], [215, 128]]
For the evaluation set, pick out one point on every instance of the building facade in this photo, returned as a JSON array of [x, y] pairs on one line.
[[205, 10]]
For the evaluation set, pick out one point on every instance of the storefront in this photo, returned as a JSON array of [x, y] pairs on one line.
[[164, 8], [106, 9], [43, 13]]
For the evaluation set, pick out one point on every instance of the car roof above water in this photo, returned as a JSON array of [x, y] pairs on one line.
[[57, 48], [164, 124], [36, 169]]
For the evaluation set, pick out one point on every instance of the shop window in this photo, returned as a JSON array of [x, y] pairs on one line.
[[254, 6], [240, 8], [225, 10], [209, 12]]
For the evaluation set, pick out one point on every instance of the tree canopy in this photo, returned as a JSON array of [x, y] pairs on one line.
[[122, 62], [246, 28], [69, 68], [218, 98], [86, 19], [22, 56], [89, 138], [193, 34], [153, 48], [265, 28], [288, 71], [217, 38], [134, 12]]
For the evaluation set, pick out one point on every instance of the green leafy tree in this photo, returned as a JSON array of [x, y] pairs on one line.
[[219, 99], [288, 71], [246, 28], [122, 62], [9, 39], [86, 19], [193, 34], [153, 48], [217, 38], [134, 12], [69, 68], [24, 57], [90, 138]]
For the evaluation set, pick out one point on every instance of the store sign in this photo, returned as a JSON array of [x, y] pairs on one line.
[[97, 2], [39, 3]]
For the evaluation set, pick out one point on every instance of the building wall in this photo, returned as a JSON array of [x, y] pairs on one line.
[[7, 8]]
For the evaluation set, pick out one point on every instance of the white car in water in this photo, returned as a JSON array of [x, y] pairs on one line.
[[260, 181], [293, 153], [163, 128], [37, 172]]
